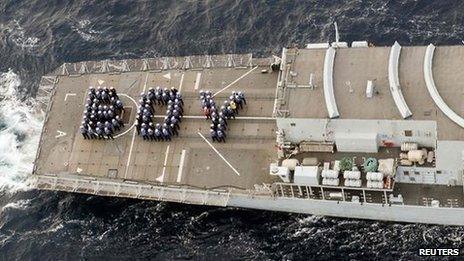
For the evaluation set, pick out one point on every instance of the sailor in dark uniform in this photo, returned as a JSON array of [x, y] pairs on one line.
[[166, 126], [84, 132], [109, 126], [119, 106], [174, 90], [121, 123], [178, 103], [158, 95], [166, 134], [179, 98], [151, 134], [179, 109], [99, 133], [176, 114], [105, 96], [213, 135], [168, 114], [112, 92], [173, 128], [110, 114], [229, 113], [222, 120], [91, 125], [175, 122], [151, 95], [91, 132], [147, 113], [215, 119], [167, 120], [145, 119], [116, 124], [109, 133], [241, 96], [221, 128], [165, 98], [172, 96], [158, 135], [221, 136], [239, 101], [91, 95], [144, 133], [98, 93]]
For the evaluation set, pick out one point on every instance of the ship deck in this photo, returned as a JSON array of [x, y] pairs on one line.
[[192, 169], [187, 159], [353, 67]]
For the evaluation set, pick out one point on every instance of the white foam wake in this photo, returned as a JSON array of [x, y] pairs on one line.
[[20, 204], [20, 127]]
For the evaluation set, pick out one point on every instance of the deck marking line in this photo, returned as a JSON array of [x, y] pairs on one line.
[[135, 131], [167, 76], [236, 118], [132, 85], [60, 134], [181, 166], [69, 94], [181, 82], [236, 80], [85, 99], [161, 178], [130, 154], [145, 84], [219, 154], [197, 81], [130, 98]]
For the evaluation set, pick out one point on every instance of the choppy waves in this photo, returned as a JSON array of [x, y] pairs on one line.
[[20, 126]]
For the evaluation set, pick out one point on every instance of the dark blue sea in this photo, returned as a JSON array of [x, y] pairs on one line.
[[37, 36]]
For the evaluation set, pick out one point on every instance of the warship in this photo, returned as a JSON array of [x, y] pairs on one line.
[[335, 129]]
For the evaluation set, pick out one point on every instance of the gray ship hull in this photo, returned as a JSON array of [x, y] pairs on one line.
[[365, 210], [372, 211]]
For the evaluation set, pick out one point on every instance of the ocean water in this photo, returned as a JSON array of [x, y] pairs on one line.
[[37, 36]]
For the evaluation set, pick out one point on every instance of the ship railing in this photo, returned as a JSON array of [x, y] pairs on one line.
[[44, 97], [194, 62], [324, 192], [131, 189]]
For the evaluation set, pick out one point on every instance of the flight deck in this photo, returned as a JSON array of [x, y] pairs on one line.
[[188, 159], [353, 67]]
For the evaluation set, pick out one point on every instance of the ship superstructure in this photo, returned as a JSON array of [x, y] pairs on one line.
[[361, 131]]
